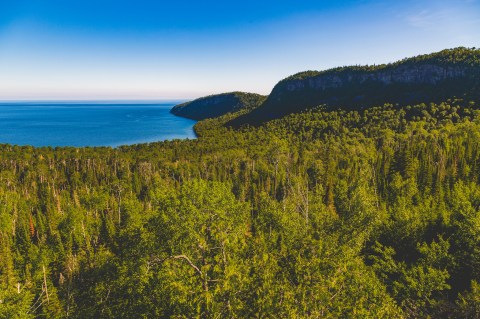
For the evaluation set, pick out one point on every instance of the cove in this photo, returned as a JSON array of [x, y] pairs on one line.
[[81, 124]]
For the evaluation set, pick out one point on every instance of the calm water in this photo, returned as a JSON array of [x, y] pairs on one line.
[[90, 124]]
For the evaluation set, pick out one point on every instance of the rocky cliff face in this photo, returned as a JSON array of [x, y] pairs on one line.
[[426, 78], [217, 105], [422, 74]]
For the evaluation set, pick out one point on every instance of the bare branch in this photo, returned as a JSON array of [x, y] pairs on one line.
[[161, 261], [189, 262]]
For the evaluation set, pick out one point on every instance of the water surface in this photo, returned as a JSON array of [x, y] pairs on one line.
[[90, 123]]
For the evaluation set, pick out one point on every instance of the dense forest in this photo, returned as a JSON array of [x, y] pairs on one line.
[[327, 213]]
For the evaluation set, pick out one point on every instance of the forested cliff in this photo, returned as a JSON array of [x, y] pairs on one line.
[[217, 105], [427, 78], [369, 212]]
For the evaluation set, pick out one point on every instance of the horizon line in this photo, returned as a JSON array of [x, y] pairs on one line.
[[92, 100]]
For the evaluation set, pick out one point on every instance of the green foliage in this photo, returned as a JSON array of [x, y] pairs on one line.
[[368, 213]]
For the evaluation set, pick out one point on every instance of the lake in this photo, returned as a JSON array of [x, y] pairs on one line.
[[90, 123]]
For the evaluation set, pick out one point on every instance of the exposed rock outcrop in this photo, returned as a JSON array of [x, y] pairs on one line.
[[422, 74]]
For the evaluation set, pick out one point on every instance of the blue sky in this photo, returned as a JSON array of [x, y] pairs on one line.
[[145, 49]]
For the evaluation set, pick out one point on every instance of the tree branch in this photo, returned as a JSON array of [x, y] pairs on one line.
[[189, 262], [161, 261]]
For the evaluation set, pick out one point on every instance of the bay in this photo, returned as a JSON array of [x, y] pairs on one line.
[[90, 123]]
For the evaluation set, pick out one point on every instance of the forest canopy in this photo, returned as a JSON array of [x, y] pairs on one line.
[[327, 213]]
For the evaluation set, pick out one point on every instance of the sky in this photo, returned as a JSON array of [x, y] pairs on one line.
[[167, 50]]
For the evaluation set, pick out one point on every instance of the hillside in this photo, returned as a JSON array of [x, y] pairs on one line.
[[367, 212], [426, 78], [217, 105]]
